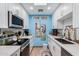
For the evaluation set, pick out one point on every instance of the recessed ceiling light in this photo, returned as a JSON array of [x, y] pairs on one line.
[[31, 8], [38, 4], [49, 8], [65, 8]]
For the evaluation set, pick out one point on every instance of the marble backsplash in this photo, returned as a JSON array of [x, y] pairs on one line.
[[10, 30]]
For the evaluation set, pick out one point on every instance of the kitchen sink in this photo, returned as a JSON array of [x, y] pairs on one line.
[[63, 41]]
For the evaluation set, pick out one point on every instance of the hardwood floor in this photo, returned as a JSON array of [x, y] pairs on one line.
[[36, 51], [39, 51]]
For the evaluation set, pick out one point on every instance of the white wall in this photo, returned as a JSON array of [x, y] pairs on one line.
[[5, 7]]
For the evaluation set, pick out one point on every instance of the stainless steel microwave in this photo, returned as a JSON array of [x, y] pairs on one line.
[[14, 20]]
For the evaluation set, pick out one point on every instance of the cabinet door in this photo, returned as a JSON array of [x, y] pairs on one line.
[[66, 9], [57, 49], [54, 48], [17, 53], [76, 15], [50, 44], [62, 10], [3, 16], [26, 51], [31, 44]]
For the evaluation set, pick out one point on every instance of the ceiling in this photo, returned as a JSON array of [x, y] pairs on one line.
[[40, 9]]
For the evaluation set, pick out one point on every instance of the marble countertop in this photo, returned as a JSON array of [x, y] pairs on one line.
[[8, 50], [73, 49]]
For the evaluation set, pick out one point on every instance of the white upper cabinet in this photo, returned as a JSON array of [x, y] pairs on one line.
[[61, 11], [76, 15], [16, 9], [19, 11], [66, 9], [3, 21], [65, 12]]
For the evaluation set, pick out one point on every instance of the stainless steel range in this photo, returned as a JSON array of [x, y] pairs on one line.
[[24, 43]]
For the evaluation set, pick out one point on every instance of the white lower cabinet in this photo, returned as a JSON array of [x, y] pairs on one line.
[[16, 53], [50, 46], [31, 44], [57, 50], [54, 48]]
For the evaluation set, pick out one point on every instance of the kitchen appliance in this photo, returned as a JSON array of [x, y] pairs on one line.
[[24, 49], [14, 21], [26, 32], [54, 32]]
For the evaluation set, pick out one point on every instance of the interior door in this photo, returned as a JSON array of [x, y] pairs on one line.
[[40, 26]]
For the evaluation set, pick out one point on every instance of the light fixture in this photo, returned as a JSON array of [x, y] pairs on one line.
[[65, 8], [49, 8], [31, 8], [38, 4]]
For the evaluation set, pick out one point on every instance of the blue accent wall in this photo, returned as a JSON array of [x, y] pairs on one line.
[[48, 22]]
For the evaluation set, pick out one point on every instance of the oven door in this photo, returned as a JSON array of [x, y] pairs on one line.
[[25, 49]]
